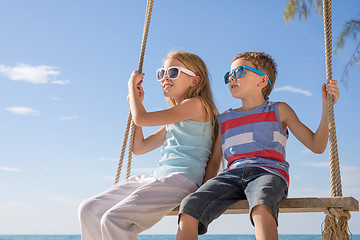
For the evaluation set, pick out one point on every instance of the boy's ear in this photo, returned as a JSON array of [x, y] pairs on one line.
[[196, 80], [264, 79]]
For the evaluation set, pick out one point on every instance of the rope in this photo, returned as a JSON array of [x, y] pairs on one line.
[[335, 178], [335, 223], [130, 126], [149, 8], [123, 148], [335, 226]]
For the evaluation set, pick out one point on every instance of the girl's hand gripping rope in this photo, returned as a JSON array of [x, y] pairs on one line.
[[136, 79]]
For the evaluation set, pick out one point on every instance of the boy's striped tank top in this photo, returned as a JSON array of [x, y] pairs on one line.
[[255, 138]]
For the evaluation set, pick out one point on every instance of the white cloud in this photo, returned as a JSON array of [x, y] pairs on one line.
[[23, 111], [60, 82], [10, 169], [55, 98], [294, 90], [9, 205], [350, 175], [317, 164], [34, 74], [66, 118]]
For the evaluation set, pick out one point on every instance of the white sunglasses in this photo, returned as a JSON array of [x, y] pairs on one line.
[[172, 72]]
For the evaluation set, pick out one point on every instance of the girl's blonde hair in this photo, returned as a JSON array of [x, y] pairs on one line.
[[202, 90]]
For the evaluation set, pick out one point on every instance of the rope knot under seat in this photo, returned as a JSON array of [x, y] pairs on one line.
[[335, 225]]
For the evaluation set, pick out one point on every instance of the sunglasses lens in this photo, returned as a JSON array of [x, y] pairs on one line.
[[160, 74], [239, 72], [226, 77], [173, 73]]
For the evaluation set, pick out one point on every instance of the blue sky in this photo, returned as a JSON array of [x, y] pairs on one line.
[[64, 67]]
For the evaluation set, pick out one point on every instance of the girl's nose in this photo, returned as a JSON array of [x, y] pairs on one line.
[[166, 77]]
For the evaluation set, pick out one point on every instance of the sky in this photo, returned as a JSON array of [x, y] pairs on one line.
[[64, 67]]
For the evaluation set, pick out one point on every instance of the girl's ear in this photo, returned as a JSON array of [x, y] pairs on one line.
[[196, 80]]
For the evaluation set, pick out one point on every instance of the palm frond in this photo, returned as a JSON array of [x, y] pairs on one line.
[[353, 62], [352, 28], [302, 8], [291, 9]]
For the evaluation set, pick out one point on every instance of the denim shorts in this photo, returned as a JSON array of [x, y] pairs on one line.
[[255, 184]]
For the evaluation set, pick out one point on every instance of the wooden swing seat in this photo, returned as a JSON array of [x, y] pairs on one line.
[[297, 205]]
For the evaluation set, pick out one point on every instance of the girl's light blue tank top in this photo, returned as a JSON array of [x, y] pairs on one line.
[[186, 150]]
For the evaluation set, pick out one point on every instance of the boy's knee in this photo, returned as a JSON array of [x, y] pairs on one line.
[[187, 222], [262, 211], [188, 227], [187, 218]]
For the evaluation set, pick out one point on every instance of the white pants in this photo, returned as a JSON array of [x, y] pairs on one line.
[[131, 207]]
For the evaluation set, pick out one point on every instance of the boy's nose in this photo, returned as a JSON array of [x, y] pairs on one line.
[[231, 78]]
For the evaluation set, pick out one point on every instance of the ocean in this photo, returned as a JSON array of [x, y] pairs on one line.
[[165, 237]]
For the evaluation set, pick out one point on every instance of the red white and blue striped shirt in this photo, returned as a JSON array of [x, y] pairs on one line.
[[255, 138]]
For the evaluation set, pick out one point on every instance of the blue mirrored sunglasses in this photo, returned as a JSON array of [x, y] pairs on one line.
[[239, 72]]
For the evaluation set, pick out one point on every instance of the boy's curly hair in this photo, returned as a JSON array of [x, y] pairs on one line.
[[263, 62]]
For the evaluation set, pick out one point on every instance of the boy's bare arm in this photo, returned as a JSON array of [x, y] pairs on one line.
[[317, 141]]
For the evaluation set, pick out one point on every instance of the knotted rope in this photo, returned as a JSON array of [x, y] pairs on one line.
[[130, 126], [335, 224]]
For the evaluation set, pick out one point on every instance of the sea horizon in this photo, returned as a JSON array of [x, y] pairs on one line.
[[166, 237]]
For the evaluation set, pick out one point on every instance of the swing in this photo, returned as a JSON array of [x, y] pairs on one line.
[[335, 207]]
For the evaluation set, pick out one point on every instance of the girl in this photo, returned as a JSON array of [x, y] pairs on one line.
[[187, 137]]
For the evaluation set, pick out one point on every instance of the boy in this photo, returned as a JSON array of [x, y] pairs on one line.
[[253, 139]]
